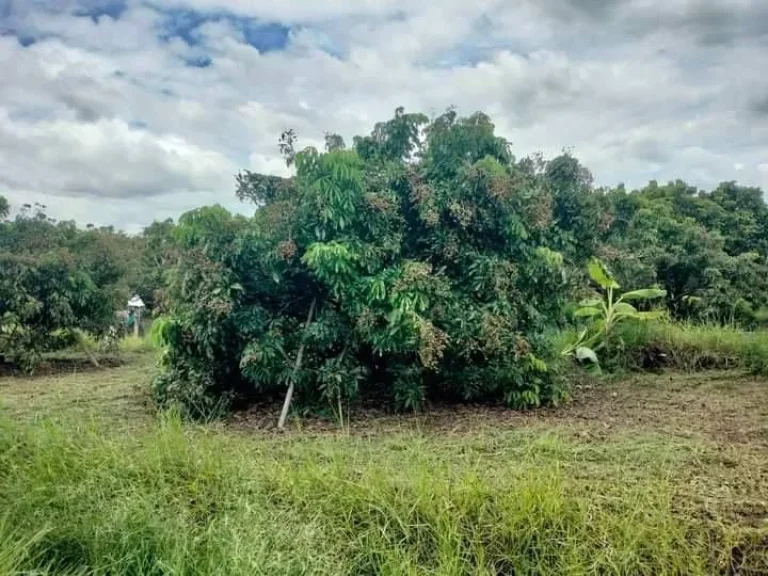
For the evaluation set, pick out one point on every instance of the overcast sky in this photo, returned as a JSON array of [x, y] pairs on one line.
[[124, 111]]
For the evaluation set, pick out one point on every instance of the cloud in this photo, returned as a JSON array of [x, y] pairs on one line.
[[104, 159], [123, 111], [296, 11], [759, 104]]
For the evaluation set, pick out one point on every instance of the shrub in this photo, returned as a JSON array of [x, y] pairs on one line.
[[56, 282], [44, 303], [607, 310]]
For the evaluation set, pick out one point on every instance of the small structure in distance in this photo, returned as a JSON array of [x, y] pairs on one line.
[[136, 308]]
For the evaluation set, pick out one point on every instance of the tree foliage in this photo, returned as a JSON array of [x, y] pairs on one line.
[[428, 275], [435, 258], [707, 249], [54, 280]]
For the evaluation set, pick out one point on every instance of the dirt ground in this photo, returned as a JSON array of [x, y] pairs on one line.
[[727, 408], [724, 407]]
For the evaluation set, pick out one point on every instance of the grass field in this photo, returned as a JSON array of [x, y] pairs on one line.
[[652, 474]]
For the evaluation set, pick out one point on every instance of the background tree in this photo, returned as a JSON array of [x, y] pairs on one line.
[[705, 249], [435, 258], [54, 280]]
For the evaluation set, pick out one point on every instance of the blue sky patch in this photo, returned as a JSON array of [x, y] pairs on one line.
[[94, 9], [185, 24], [263, 37], [25, 35], [26, 40]]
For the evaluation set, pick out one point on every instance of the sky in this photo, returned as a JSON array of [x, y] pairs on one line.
[[120, 112]]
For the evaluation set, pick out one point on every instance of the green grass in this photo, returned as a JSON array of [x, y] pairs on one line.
[[696, 346], [128, 347], [174, 500], [648, 476], [80, 393], [687, 346], [136, 344]]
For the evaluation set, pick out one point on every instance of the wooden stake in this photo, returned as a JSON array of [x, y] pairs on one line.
[[84, 345], [296, 367]]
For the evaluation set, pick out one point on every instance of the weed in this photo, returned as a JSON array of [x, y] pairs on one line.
[[136, 344]]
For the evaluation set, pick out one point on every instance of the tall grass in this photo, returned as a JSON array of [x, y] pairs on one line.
[[78, 500], [691, 347], [678, 345], [136, 344]]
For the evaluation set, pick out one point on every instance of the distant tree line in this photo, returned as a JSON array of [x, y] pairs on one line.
[[57, 279]]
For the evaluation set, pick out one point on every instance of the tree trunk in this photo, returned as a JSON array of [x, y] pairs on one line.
[[296, 367]]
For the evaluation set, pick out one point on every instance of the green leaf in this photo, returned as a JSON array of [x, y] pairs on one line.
[[537, 363], [590, 303], [583, 353], [625, 309], [600, 275], [587, 312], [651, 315], [644, 294]]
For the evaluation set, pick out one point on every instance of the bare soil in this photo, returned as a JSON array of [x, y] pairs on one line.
[[725, 407]]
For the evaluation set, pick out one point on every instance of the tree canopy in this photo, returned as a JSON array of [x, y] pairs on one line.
[[425, 274], [56, 279]]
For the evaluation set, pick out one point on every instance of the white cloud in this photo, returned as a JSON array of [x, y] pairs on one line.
[[97, 114], [304, 11], [106, 159]]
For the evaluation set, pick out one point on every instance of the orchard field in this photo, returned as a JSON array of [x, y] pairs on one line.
[[418, 354]]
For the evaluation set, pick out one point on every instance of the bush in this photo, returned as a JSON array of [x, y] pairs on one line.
[[403, 269]]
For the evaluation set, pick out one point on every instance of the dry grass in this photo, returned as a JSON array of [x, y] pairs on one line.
[[118, 394]]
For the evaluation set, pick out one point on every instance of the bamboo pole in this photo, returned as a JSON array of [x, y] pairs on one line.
[[296, 367]]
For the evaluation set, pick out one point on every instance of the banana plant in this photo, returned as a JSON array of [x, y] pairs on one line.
[[607, 309]]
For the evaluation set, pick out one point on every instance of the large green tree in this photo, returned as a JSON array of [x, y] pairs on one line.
[[411, 259], [426, 261], [707, 249]]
